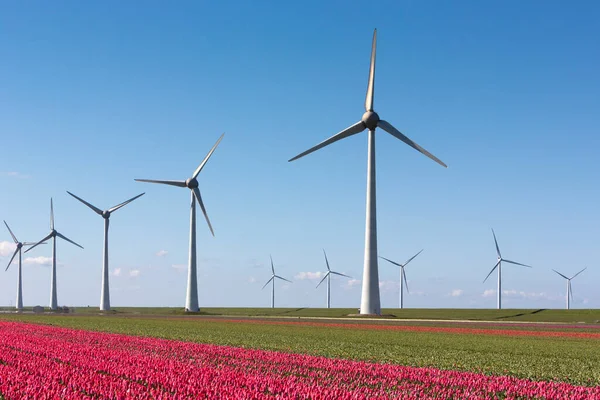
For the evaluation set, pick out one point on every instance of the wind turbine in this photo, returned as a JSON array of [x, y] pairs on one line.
[[20, 277], [191, 298], [104, 294], [370, 301], [569, 290], [328, 276], [53, 234], [272, 279], [403, 279], [499, 266]]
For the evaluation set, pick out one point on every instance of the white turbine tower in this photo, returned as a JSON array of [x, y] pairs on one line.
[[569, 290], [20, 276], [403, 280], [272, 279], [499, 266], [104, 294], [370, 301], [328, 277], [53, 234], [191, 299]]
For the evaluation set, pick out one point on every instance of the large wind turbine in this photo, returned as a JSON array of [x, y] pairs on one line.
[[499, 266], [328, 277], [272, 279], [104, 294], [370, 301], [569, 290], [20, 276], [191, 298], [53, 234], [403, 279]]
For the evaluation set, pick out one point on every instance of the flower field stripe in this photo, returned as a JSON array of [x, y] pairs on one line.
[[420, 328], [46, 362]]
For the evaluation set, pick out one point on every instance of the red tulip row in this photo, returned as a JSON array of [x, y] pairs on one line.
[[45, 362], [422, 328]]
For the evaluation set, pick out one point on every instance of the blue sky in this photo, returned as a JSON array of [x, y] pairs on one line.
[[93, 95]]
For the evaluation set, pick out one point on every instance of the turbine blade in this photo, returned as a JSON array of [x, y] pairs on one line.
[[516, 263], [12, 258], [11, 233], [340, 274], [172, 183], [115, 208], [326, 275], [269, 281], [283, 279], [386, 126], [405, 280], [571, 290], [412, 258], [578, 273], [199, 198], [496, 242], [371, 85], [560, 274], [197, 171], [326, 260], [272, 266], [351, 130], [31, 243], [96, 209], [495, 266], [393, 262], [60, 235], [38, 243], [51, 215]]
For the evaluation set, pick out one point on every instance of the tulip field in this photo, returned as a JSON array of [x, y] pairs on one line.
[[68, 357]]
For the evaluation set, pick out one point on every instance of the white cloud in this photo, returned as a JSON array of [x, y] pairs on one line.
[[353, 282], [457, 293], [7, 249], [14, 174], [179, 267], [489, 293], [309, 275], [251, 279], [45, 261], [162, 253], [134, 273], [116, 272]]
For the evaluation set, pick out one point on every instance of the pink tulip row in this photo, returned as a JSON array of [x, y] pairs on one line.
[[45, 362]]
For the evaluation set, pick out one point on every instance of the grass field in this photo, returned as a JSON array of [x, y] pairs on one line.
[[574, 360], [523, 315]]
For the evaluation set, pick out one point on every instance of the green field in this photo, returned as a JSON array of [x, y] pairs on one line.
[[574, 360], [523, 315]]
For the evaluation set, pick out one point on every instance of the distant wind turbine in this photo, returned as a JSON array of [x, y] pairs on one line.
[[328, 277], [569, 290], [20, 245], [272, 280], [370, 300], [403, 279], [53, 234], [499, 266], [191, 299], [104, 294]]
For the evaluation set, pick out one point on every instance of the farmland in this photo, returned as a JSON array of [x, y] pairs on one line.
[[565, 353]]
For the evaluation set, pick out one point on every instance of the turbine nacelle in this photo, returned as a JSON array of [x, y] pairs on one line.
[[370, 120], [106, 214], [191, 183]]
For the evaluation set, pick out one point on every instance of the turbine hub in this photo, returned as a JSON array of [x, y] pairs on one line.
[[19, 245], [106, 214], [53, 232], [191, 183], [370, 119]]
